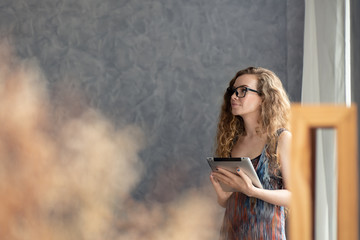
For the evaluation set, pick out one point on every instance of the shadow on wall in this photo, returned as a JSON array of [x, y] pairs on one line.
[[66, 172]]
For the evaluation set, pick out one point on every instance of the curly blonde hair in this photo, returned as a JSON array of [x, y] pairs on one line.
[[274, 113]]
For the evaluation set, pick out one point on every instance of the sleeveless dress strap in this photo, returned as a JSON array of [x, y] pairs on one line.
[[280, 131]]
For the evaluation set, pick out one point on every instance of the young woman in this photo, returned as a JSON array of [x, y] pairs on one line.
[[253, 123]]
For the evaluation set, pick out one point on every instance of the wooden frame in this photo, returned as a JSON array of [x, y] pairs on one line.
[[305, 120]]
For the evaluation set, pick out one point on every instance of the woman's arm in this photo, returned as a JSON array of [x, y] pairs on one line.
[[279, 197], [243, 183]]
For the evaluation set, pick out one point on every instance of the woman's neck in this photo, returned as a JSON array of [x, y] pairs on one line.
[[252, 126]]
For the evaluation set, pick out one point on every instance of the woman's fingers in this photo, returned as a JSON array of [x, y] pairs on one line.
[[217, 186], [225, 172], [239, 181], [225, 179], [243, 175], [222, 195], [214, 180], [221, 177]]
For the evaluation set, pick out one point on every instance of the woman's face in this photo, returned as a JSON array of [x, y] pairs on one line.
[[251, 102]]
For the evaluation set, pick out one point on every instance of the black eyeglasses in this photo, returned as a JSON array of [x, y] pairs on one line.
[[240, 91]]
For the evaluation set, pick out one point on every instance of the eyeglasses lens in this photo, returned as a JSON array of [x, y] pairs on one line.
[[240, 91]]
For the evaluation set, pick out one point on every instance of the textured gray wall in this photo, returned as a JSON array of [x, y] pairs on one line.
[[162, 65]]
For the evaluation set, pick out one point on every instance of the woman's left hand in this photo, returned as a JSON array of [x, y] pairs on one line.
[[239, 181]]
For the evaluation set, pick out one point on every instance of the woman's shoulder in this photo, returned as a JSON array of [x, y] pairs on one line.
[[284, 139], [281, 130]]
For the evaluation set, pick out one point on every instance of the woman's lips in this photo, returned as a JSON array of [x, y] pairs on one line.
[[234, 104]]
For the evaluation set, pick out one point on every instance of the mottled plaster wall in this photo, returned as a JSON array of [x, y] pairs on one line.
[[161, 65]]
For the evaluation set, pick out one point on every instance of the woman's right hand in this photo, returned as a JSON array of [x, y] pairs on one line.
[[221, 194]]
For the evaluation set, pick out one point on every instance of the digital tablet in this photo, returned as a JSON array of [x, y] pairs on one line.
[[232, 164]]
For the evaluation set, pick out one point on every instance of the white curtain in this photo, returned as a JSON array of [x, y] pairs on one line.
[[324, 82]]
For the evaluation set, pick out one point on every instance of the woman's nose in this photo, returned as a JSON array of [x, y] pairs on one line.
[[234, 96]]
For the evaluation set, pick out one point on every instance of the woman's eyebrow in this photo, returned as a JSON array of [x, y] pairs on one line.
[[241, 86]]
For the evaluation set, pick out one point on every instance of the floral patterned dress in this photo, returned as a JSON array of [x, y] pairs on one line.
[[251, 218]]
